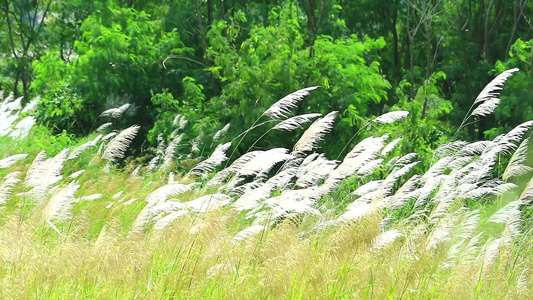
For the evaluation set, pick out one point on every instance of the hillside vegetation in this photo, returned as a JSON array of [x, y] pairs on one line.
[[79, 219], [250, 149]]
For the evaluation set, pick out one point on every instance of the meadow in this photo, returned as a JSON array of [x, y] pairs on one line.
[[82, 219]]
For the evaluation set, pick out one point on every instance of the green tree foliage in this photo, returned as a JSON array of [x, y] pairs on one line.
[[516, 104], [219, 62]]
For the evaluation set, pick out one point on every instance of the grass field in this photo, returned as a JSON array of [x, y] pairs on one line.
[[77, 221]]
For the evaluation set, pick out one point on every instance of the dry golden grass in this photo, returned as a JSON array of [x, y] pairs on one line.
[[39, 263]]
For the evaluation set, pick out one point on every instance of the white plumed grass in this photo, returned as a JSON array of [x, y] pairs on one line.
[[117, 147], [272, 224], [282, 108], [315, 133]]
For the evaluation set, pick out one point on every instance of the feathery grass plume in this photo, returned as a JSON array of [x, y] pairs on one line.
[[171, 179], [282, 179], [221, 269], [103, 143], [160, 150], [406, 159], [235, 189], [116, 112], [222, 175], [11, 160], [449, 149], [291, 164], [522, 282], [170, 151], [428, 187], [437, 168], [491, 251], [387, 118], [488, 98], [277, 111], [59, 208], [305, 162], [486, 108], [117, 195], [180, 121], [517, 164], [406, 192], [155, 212], [385, 239], [315, 171], [463, 254], [32, 105], [507, 213], [76, 174], [390, 146], [247, 233], [391, 117], [510, 216], [44, 173], [177, 119], [153, 164], [5, 123], [282, 108], [264, 161], [295, 122], [103, 127], [249, 194], [476, 148], [89, 198], [163, 193], [206, 202], [109, 136], [78, 151], [116, 149], [221, 133], [484, 191], [369, 167], [478, 171], [410, 185], [442, 232], [470, 224], [251, 197], [364, 152], [444, 199], [136, 173], [290, 202], [402, 171], [527, 194], [195, 144], [357, 210], [511, 139], [494, 88], [6, 188], [130, 202], [168, 219], [315, 133], [217, 157], [23, 127], [302, 164], [367, 187], [459, 162]]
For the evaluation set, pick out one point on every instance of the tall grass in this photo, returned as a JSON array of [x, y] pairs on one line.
[[272, 224]]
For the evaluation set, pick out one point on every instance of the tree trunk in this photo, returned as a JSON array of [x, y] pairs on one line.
[[395, 34], [486, 31], [209, 12], [222, 10]]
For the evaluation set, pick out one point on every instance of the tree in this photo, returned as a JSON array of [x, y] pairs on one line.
[[24, 21]]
